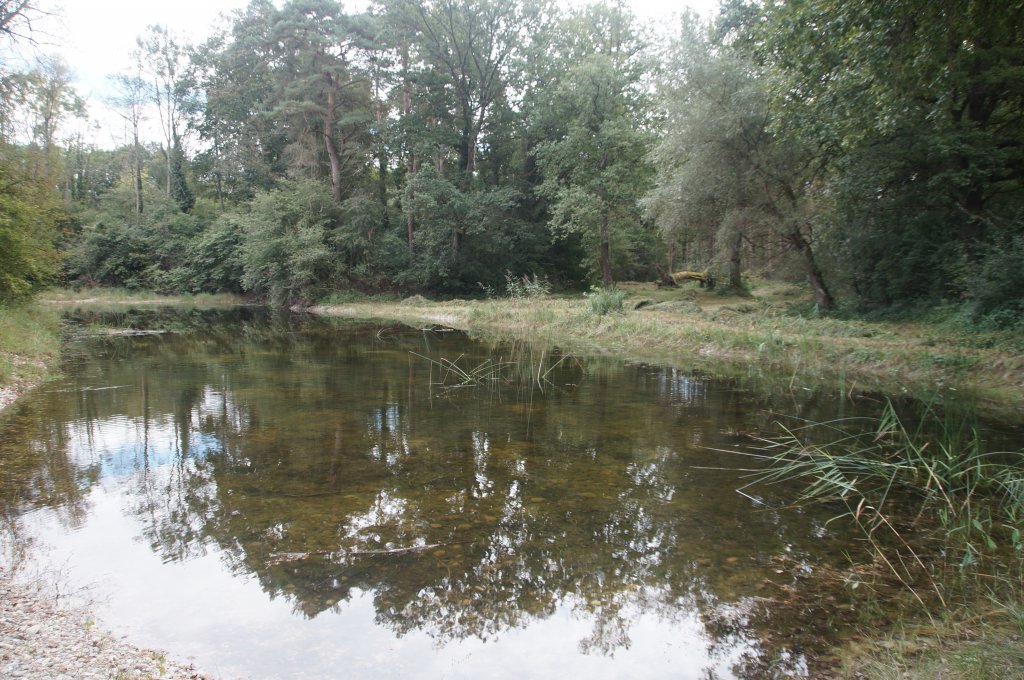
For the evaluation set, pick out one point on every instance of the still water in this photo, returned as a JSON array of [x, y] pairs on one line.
[[289, 497]]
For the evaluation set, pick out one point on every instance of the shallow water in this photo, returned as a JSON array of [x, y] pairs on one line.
[[288, 497]]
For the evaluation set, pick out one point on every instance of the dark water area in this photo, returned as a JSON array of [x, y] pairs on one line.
[[292, 497]]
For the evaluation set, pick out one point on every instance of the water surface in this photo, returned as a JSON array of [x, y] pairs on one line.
[[287, 497]]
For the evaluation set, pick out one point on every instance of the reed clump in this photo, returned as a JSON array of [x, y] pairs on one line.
[[940, 513]]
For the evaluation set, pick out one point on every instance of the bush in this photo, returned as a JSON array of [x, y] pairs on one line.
[[996, 288], [285, 255]]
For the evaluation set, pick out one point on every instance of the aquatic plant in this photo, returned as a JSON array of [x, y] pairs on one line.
[[521, 367], [452, 374], [932, 502]]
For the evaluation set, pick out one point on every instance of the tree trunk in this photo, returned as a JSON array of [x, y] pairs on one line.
[[137, 171], [456, 239], [170, 168], [822, 296], [332, 149], [410, 223], [605, 252], [735, 261], [218, 175]]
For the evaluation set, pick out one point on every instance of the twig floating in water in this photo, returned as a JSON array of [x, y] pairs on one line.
[[281, 558]]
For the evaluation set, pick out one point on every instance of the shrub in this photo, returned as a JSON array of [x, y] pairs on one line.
[[996, 287]]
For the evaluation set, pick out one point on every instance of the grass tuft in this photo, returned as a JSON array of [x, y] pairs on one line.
[[606, 300]]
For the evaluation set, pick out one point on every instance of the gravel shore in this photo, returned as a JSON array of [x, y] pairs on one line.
[[42, 640]]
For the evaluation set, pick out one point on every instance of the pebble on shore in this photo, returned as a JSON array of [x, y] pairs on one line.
[[42, 640]]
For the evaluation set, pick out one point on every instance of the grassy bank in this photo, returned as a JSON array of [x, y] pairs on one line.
[[701, 329], [29, 347], [114, 297]]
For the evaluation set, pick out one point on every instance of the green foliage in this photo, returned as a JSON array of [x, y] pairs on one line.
[[726, 175], [431, 146], [30, 216], [114, 254], [996, 285], [115, 246], [463, 237], [214, 262], [916, 113], [181, 193], [286, 256], [595, 173]]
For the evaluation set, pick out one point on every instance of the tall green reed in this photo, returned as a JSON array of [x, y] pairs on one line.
[[932, 502]]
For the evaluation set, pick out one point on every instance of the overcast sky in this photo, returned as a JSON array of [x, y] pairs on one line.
[[96, 37]]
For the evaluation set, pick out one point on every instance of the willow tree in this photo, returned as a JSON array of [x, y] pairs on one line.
[[723, 169], [920, 108]]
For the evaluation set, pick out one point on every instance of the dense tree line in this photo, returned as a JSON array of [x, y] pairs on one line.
[[873, 150]]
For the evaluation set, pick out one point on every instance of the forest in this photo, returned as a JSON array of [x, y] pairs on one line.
[[873, 151]]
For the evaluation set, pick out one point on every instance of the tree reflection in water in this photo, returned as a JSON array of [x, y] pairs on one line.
[[311, 453]]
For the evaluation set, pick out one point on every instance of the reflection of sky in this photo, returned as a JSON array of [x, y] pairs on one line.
[[123, 446], [228, 627]]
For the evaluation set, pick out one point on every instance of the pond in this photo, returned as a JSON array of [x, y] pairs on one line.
[[283, 497]]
